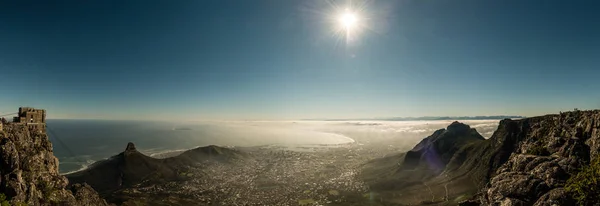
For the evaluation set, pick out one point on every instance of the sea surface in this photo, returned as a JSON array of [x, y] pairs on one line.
[[79, 143]]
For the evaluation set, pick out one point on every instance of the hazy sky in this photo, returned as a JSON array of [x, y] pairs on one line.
[[280, 59]]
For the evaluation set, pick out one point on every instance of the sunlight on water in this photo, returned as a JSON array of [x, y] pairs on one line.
[[90, 140]]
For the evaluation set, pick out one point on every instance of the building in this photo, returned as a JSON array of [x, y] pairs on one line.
[[2, 122], [33, 118]]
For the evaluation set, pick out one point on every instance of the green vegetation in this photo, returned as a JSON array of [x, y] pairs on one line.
[[583, 186], [3, 201], [47, 191], [306, 202], [334, 192], [538, 150]]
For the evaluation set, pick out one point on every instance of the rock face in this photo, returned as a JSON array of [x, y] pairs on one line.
[[541, 154], [29, 171]]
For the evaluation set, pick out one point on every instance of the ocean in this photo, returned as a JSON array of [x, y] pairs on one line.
[[79, 143]]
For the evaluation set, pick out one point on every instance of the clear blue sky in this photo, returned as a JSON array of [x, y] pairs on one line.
[[275, 59]]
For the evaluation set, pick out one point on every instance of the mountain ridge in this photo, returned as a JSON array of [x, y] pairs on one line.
[[131, 167], [525, 162], [426, 160]]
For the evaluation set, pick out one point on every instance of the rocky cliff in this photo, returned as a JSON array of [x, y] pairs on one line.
[[29, 172], [535, 157]]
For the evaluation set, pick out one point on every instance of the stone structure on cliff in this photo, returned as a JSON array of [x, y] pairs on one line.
[[33, 118], [2, 122]]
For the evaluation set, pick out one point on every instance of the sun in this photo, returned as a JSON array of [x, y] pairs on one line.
[[349, 24], [348, 20]]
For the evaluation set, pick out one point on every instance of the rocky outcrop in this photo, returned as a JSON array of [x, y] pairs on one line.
[[29, 171], [541, 154], [85, 194]]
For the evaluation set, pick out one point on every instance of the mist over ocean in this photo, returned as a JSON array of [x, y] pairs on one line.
[[87, 141]]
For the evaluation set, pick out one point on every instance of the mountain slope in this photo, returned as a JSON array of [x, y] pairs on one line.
[[426, 160], [210, 152], [131, 167], [125, 169]]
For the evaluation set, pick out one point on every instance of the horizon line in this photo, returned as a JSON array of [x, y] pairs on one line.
[[475, 117]]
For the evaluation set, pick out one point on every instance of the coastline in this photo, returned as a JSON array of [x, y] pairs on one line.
[[174, 152]]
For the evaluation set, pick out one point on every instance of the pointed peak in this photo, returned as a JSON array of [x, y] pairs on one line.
[[458, 127], [130, 147]]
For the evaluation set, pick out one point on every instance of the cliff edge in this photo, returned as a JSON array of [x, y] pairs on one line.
[[29, 171], [532, 160]]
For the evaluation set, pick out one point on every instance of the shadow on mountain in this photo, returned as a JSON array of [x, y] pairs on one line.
[[130, 168], [411, 172]]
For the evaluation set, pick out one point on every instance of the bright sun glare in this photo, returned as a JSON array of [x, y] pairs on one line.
[[348, 20], [348, 24]]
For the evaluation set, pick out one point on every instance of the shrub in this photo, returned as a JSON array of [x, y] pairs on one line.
[[3, 201], [584, 187], [538, 150]]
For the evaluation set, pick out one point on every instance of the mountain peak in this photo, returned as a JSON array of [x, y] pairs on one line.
[[130, 147], [436, 150], [458, 127], [132, 167]]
